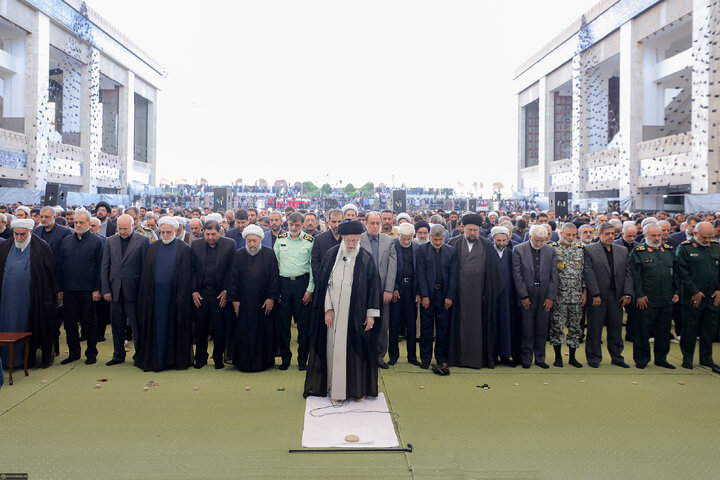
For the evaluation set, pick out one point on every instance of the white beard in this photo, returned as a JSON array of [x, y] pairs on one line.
[[534, 247], [421, 242], [22, 245], [167, 240], [294, 235], [252, 251], [586, 242], [348, 253]]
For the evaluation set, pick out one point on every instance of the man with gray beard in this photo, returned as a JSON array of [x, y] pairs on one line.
[[28, 292], [656, 290], [254, 289]]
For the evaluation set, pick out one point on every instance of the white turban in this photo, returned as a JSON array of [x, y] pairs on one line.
[[648, 220], [180, 220], [496, 230], [214, 216], [28, 223], [349, 206], [253, 230], [492, 213], [168, 220], [405, 216], [406, 229], [58, 209], [24, 209]]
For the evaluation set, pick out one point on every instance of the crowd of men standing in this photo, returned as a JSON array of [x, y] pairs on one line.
[[487, 289]]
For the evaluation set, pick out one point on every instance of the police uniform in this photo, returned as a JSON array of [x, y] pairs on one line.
[[698, 269], [294, 263], [654, 277], [571, 284]]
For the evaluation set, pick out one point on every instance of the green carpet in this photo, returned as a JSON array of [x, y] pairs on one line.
[[557, 423]]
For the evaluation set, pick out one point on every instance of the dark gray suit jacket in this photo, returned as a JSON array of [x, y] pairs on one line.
[[597, 270], [123, 271], [524, 271], [387, 263]]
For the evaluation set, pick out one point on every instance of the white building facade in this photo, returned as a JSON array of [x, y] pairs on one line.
[[624, 104], [79, 100]]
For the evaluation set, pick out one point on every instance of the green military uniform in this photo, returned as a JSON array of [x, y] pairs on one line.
[[654, 277], [698, 269], [571, 283], [293, 257], [146, 232]]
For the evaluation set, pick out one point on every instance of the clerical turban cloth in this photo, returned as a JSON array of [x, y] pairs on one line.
[[23, 223], [350, 227], [168, 220], [252, 230]]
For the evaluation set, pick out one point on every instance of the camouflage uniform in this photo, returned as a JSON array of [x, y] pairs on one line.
[[146, 232], [571, 283]]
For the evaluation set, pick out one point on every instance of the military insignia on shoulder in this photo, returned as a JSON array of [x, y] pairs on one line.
[[561, 266], [283, 235], [640, 248], [554, 244], [309, 238], [668, 246], [712, 240], [579, 245], [686, 242]]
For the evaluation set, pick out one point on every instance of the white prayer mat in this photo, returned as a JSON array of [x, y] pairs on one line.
[[327, 423]]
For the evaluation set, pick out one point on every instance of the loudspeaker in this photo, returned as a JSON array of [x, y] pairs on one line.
[[221, 199], [399, 201], [472, 205], [559, 203], [56, 194]]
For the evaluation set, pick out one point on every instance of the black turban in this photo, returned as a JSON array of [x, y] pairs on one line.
[[350, 227], [472, 219], [422, 224]]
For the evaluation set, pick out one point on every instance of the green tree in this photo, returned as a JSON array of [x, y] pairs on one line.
[[349, 189], [326, 189], [308, 187]]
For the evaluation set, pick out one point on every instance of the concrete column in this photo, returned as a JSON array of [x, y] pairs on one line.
[[91, 122], [152, 139], [706, 97], [37, 122], [631, 113], [71, 101], [520, 145], [126, 127], [546, 142], [580, 120], [14, 84]]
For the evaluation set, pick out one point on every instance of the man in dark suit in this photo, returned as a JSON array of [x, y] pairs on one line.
[[628, 240], [50, 231], [235, 233], [675, 239], [120, 279], [108, 227], [212, 258], [609, 283], [437, 287], [536, 281], [325, 241], [405, 297]]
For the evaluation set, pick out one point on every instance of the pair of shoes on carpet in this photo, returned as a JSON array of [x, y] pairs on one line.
[[593, 365], [442, 369], [285, 364], [414, 361], [425, 365], [383, 365], [542, 365], [69, 360], [713, 366], [115, 361], [665, 364], [199, 364], [621, 364]]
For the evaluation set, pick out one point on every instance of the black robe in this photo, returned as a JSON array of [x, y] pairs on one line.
[[507, 308], [179, 332], [253, 279], [460, 351], [43, 297], [362, 375]]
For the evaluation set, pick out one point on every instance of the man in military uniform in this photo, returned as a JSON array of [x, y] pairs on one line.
[[293, 250], [656, 290], [138, 226], [568, 311], [698, 266]]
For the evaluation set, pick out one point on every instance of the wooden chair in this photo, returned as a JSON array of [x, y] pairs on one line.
[[10, 339]]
